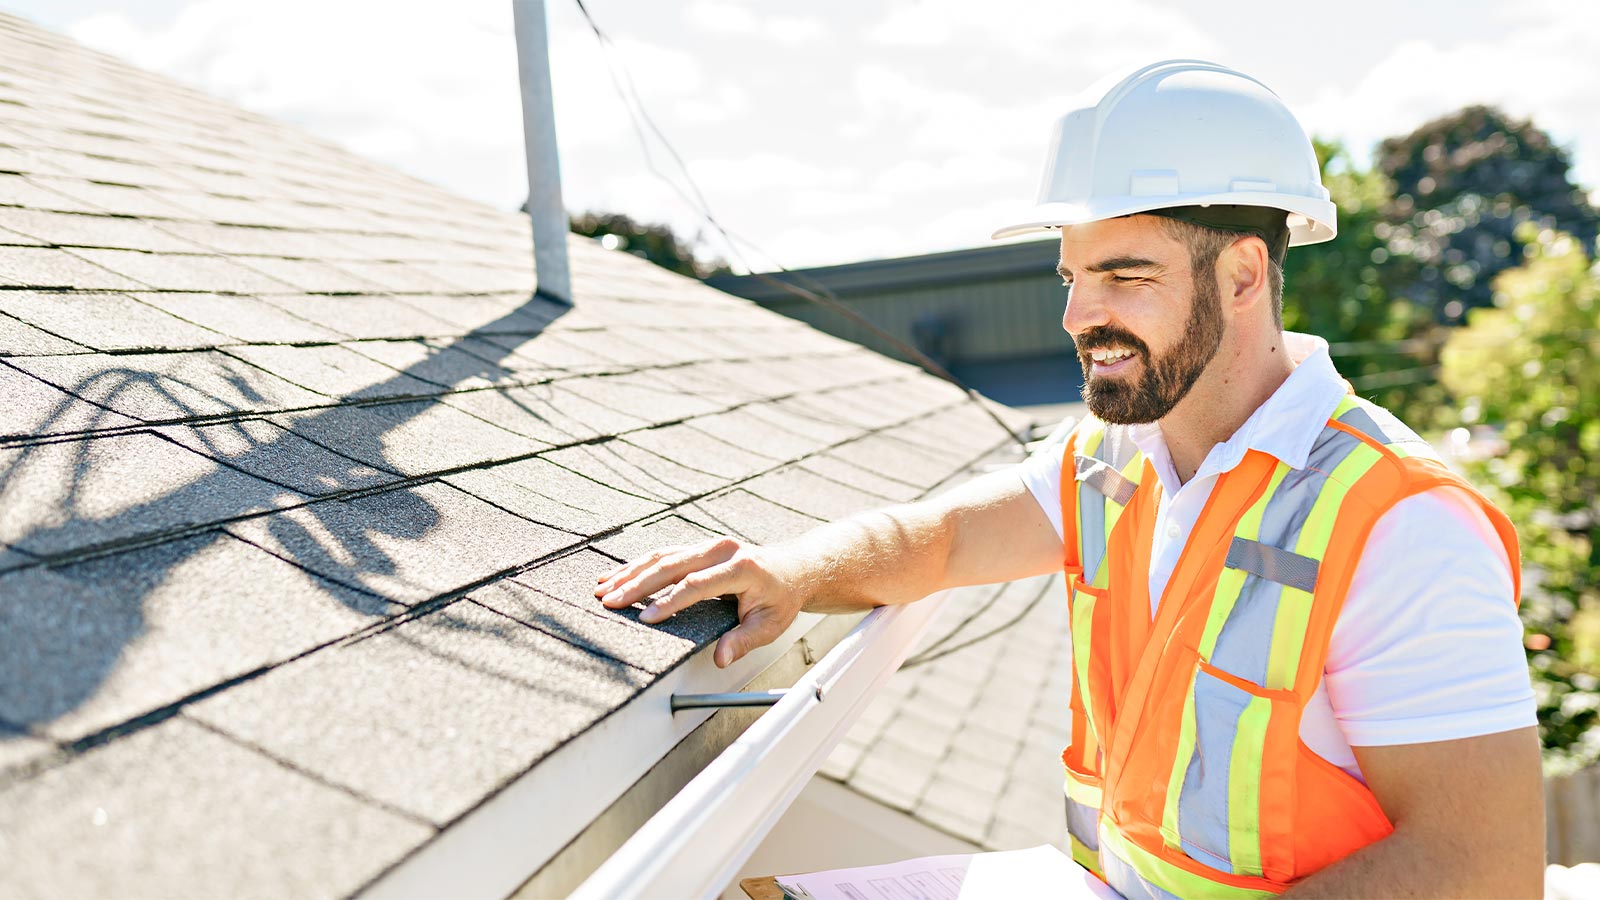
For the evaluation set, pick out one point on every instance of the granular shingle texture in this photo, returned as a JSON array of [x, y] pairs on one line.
[[304, 494]]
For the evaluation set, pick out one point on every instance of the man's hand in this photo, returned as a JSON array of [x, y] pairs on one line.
[[761, 578], [990, 529]]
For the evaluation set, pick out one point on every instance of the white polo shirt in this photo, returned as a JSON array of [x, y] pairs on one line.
[[1428, 646]]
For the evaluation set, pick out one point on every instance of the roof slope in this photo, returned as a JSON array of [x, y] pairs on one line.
[[303, 490]]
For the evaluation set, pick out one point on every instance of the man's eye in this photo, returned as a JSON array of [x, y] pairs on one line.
[[1125, 279]]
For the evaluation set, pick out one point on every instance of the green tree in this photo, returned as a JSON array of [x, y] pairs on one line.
[[1526, 365], [655, 242], [1340, 290], [1461, 186]]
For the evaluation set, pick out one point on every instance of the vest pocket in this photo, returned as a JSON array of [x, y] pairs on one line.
[[1230, 800]]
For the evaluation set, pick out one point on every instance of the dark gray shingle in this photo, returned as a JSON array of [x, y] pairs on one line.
[[159, 813], [453, 704], [95, 644]]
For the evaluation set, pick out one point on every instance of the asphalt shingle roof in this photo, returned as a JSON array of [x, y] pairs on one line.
[[303, 490]]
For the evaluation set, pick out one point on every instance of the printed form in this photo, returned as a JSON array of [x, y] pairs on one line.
[[1042, 871]]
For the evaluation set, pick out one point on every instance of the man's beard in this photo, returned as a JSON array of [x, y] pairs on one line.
[[1163, 381]]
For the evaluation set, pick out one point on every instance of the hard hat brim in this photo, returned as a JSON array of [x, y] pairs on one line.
[[1311, 221]]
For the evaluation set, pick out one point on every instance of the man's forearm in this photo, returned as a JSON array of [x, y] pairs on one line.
[[1406, 865], [880, 558]]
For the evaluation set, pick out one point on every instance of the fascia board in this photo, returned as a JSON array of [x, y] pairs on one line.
[[695, 845], [493, 849]]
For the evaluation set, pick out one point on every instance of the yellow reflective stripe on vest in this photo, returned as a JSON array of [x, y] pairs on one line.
[[1135, 872], [1232, 580], [1082, 613], [1244, 787], [1294, 611]]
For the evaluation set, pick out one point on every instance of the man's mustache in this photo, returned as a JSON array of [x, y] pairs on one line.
[[1109, 336]]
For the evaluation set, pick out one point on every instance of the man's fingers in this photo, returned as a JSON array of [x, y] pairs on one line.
[[609, 581], [731, 577], [661, 569]]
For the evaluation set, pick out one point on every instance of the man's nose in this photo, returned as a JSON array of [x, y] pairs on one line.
[[1086, 309]]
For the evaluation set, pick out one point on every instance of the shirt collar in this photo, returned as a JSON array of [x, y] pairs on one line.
[[1285, 426]]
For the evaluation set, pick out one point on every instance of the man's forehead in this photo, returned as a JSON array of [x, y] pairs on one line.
[[1126, 238]]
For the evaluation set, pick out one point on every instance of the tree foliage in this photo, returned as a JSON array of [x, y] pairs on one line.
[[655, 242], [1461, 186], [1526, 365], [1341, 290]]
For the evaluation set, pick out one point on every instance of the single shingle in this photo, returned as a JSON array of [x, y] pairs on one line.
[[854, 476], [21, 339], [34, 408], [364, 316], [82, 230], [749, 516], [169, 386], [667, 531], [583, 622], [106, 321], [334, 371], [408, 545], [308, 275], [438, 362], [549, 413], [159, 814], [544, 492], [453, 704], [694, 449], [20, 191], [94, 644], [245, 319], [64, 496], [635, 470], [746, 429], [805, 491], [120, 200], [47, 267], [412, 438], [271, 453], [183, 272]]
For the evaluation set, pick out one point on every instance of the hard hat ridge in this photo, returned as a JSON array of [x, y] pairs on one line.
[[1181, 134]]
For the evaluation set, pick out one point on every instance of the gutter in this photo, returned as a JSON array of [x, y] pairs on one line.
[[695, 845]]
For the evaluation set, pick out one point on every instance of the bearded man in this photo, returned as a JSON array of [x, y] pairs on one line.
[[1297, 662]]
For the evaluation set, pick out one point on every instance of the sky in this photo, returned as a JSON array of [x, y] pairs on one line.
[[836, 130]]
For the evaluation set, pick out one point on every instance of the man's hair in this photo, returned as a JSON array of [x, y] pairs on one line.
[[1206, 244]]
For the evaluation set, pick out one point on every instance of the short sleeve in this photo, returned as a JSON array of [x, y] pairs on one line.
[[1041, 472], [1428, 646]]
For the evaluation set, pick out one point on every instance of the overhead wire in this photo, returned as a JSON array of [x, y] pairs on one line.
[[818, 293]]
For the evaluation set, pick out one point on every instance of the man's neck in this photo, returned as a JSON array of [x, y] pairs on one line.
[[1240, 378]]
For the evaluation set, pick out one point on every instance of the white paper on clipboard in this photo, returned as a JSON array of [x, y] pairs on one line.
[[1042, 871]]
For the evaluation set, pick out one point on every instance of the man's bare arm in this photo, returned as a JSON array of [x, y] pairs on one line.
[[1468, 821], [988, 530]]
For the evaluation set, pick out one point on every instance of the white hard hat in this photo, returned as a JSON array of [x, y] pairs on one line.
[[1180, 133]]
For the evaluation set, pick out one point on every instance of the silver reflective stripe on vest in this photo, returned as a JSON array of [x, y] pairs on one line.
[[1381, 425], [1127, 882], [1083, 823], [1116, 450], [1203, 804], [1108, 481], [1273, 564]]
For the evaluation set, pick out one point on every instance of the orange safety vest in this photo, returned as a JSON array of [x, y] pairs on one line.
[[1186, 776]]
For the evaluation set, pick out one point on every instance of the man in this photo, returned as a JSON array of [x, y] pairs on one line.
[[1297, 663]]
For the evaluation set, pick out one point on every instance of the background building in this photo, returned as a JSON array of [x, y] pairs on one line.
[[990, 315]]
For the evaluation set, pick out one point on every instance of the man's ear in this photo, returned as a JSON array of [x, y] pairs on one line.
[[1244, 267]]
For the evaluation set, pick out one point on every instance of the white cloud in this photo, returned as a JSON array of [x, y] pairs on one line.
[[1541, 68], [729, 18], [1094, 38]]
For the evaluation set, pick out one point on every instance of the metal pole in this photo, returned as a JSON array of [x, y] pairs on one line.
[[539, 136]]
